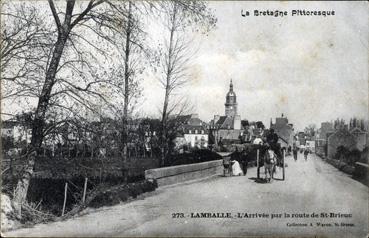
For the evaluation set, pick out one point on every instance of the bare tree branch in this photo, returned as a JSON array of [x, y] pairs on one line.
[[55, 15]]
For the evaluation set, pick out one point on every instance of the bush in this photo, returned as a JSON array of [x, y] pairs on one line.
[[341, 152], [353, 156], [347, 169], [51, 192], [349, 156], [196, 156], [121, 193], [364, 156]]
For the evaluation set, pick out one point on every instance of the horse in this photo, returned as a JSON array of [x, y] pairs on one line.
[[249, 155], [270, 161], [227, 166]]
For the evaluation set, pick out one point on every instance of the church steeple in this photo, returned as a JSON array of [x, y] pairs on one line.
[[231, 102]]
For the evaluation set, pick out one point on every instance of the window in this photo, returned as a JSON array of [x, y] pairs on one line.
[[202, 131], [195, 131], [189, 131]]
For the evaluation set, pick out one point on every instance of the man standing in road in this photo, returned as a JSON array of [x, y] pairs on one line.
[[244, 162], [306, 152], [295, 151], [272, 139]]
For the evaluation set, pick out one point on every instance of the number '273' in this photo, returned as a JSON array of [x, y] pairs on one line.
[[178, 215]]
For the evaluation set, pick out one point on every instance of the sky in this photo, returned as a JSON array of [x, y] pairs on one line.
[[310, 68]]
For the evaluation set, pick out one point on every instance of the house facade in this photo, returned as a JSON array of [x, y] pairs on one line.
[[326, 129], [329, 139], [192, 132], [284, 130]]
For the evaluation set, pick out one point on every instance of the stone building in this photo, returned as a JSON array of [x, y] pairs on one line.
[[284, 130], [228, 127], [192, 132], [325, 128], [301, 137]]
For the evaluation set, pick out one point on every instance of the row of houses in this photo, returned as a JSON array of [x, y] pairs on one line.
[[190, 130], [329, 138], [229, 128]]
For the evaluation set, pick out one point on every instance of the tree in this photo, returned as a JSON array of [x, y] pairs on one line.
[[24, 44], [362, 124], [133, 53], [69, 63], [311, 130], [178, 16], [354, 123]]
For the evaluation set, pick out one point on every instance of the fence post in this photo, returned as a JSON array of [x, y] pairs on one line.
[[65, 198], [11, 172], [100, 175], [284, 154], [84, 191], [257, 163]]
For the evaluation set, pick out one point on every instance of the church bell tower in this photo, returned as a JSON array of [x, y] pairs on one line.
[[231, 102]]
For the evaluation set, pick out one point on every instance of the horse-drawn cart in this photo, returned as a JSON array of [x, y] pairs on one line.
[[270, 165], [252, 154]]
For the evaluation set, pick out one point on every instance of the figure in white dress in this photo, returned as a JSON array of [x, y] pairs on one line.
[[236, 168], [258, 141]]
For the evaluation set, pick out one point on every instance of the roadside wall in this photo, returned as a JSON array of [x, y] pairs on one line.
[[181, 173]]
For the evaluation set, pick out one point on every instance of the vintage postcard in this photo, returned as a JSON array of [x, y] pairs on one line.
[[184, 118]]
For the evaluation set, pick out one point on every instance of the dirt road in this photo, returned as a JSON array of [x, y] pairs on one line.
[[312, 188]]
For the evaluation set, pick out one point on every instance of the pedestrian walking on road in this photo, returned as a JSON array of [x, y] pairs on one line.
[[295, 151], [244, 161], [306, 152]]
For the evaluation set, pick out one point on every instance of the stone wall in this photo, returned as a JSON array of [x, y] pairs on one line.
[[181, 173]]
